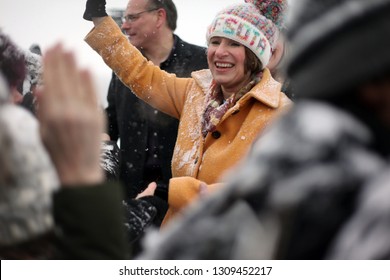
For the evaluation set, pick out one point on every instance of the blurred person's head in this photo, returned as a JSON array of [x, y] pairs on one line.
[[12, 66], [337, 45], [241, 41], [27, 181], [340, 54], [145, 22]]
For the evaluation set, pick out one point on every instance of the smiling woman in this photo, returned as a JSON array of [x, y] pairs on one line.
[[45, 22], [227, 63], [222, 109]]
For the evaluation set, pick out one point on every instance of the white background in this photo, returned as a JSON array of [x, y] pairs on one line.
[[46, 22]]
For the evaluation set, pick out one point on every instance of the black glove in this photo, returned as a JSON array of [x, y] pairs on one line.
[[162, 191], [143, 213], [160, 205], [139, 215], [95, 8]]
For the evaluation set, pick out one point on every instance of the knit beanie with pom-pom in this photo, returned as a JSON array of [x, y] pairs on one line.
[[254, 24]]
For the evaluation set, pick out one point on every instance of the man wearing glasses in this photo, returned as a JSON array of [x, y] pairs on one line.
[[147, 136]]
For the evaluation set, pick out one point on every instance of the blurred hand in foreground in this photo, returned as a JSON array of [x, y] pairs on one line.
[[71, 121]]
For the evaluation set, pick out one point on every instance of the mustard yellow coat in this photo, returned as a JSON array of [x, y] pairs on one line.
[[196, 159]]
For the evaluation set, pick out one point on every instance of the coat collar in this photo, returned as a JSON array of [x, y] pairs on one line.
[[266, 91]]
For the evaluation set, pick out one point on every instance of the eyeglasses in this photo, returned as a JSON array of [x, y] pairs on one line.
[[134, 17]]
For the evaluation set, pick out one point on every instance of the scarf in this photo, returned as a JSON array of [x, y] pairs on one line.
[[216, 106]]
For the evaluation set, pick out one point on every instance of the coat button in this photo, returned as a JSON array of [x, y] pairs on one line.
[[216, 134]]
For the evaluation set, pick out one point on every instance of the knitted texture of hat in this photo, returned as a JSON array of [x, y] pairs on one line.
[[274, 10], [245, 24], [329, 35], [27, 178]]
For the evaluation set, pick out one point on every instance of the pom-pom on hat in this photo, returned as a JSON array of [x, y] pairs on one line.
[[274, 10], [250, 24]]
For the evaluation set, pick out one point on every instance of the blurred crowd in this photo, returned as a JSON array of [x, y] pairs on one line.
[[271, 143]]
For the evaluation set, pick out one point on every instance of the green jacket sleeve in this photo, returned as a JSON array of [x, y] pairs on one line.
[[90, 223]]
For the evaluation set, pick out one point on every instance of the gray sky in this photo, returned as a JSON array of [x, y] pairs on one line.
[[48, 21]]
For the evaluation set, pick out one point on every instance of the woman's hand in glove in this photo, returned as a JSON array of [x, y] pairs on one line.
[[95, 9]]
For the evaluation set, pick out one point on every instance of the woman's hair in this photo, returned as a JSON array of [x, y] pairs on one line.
[[252, 63], [12, 61]]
